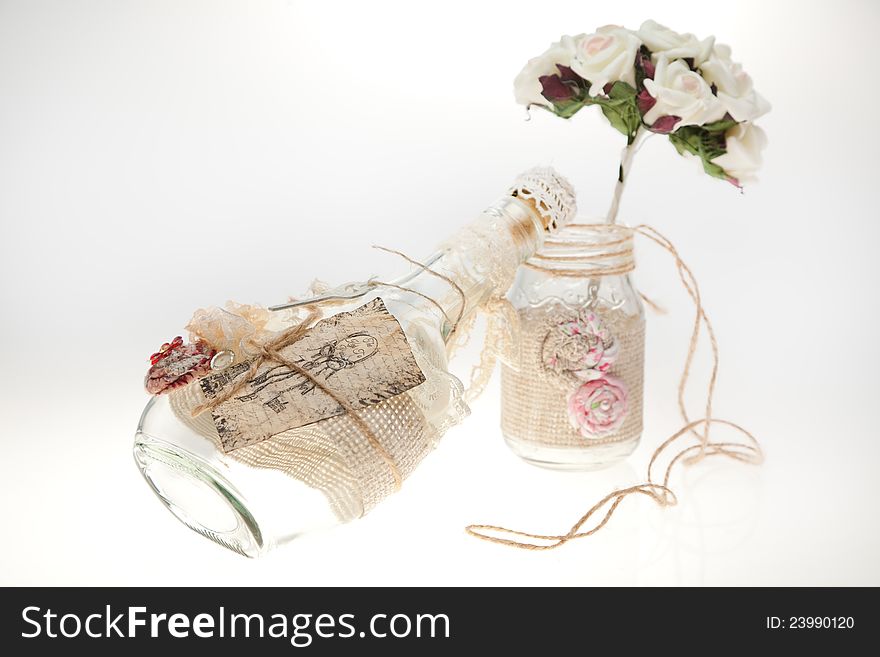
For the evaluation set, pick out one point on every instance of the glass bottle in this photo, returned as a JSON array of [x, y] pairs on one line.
[[572, 396], [315, 476]]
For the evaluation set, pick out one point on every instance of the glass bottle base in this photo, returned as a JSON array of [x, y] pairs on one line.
[[198, 495], [193, 479], [571, 458]]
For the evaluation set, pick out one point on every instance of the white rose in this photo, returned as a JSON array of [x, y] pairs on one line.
[[662, 41], [745, 141], [527, 86], [735, 90], [608, 55], [681, 92]]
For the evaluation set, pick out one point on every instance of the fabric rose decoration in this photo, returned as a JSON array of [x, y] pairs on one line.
[[660, 39], [733, 86], [582, 346], [742, 158], [606, 56], [177, 364], [582, 349], [527, 87], [598, 407], [655, 79], [678, 91]]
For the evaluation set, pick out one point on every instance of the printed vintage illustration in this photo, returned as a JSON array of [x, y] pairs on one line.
[[362, 356]]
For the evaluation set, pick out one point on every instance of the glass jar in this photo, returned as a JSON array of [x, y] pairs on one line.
[[572, 393]]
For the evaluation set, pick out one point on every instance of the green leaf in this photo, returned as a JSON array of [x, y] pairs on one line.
[[722, 126], [621, 109], [706, 144], [568, 108], [621, 91], [714, 170], [699, 141]]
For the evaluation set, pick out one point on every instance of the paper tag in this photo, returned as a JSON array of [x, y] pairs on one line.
[[362, 356]]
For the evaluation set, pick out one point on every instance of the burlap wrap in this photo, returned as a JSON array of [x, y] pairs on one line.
[[533, 399], [333, 455]]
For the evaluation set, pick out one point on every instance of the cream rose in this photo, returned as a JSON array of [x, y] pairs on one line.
[[527, 85], [662, 41], [745, 141], [608, 55], [735, 90], [679, 91]]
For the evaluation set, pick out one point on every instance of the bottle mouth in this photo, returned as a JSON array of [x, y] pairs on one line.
[[549, 193], [587, 249], [198, 495]]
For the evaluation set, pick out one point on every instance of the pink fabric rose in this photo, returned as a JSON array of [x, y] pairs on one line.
[[598, 407], [582, 346]]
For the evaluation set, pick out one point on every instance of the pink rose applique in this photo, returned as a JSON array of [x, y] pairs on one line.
[[598, 407], [177, 364], [582, 346]]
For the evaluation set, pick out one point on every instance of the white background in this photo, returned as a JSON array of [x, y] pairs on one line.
[[160, 156]]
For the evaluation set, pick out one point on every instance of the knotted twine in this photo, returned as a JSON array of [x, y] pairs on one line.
[[659, 492], [270, 351]]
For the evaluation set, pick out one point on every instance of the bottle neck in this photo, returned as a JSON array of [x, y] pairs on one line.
[[479, 261]]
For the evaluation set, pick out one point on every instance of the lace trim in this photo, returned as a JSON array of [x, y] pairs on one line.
[[553, 195]]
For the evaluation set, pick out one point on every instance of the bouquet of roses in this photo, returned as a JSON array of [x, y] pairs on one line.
[[655, 80]]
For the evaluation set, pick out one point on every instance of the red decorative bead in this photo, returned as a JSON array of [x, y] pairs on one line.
[[166, 349]]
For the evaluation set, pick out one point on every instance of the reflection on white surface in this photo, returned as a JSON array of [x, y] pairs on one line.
[[717, 514]]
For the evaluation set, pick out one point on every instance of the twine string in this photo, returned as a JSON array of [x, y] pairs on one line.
[[377, 283], [284, 339], [660, 492], [690, 284], [271, 353], [653, 305], [455, 286], [597, 272]]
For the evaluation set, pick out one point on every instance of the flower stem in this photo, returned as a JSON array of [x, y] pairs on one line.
[[623, 173]]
